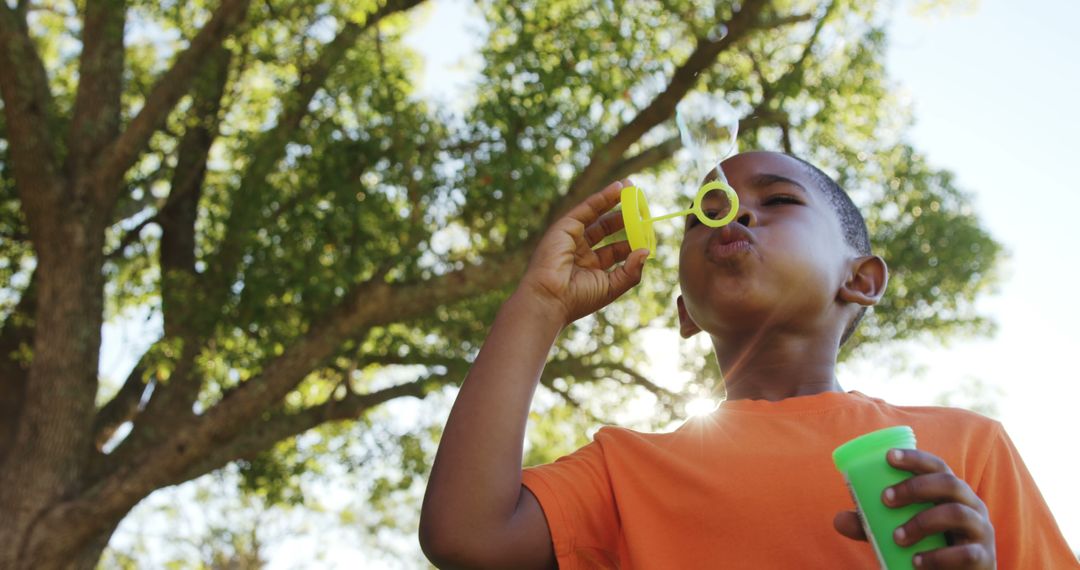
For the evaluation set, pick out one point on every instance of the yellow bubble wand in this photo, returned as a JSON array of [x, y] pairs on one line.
[[638, 222], [708, 127]]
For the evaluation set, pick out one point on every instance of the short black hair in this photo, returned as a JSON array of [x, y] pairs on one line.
[[851, 222], [851, 219]]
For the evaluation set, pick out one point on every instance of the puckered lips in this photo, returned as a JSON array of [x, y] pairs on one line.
[[728, 242]]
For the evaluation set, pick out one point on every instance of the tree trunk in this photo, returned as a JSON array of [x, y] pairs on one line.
[[17, 333], [58, 554], [53, 439], [88, 556]]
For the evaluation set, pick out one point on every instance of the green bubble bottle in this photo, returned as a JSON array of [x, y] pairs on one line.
[[863, 464]]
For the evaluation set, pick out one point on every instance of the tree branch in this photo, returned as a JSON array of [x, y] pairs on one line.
[[122, 407], [180, 301], [372, 303], [572, 366], [660, 109], [14, 234], [96, 117], [547, 380], [637, 378], [771, 23], [794, 74], [762, 115], [767, 90], [169, 403], [130, 237], [785, 138], [168, 90], [28, 105], [645, 159], [127, 482], [284, 425], [591, 372], [271, 147]]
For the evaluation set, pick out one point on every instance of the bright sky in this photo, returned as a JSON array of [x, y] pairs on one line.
[[994, 101]]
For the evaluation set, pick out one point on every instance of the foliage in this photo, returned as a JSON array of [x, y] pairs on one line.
[[314, 213]]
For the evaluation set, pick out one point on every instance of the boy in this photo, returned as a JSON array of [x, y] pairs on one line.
[[752, 485]]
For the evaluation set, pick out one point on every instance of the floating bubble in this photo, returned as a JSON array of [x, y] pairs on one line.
[[717, 33], [708, 127]]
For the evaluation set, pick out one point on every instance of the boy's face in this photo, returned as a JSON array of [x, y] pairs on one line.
[[780, 262]]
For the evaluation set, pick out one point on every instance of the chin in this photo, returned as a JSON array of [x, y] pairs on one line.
[[735, 312]]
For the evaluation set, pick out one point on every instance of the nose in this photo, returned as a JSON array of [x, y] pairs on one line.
[[746, 216]]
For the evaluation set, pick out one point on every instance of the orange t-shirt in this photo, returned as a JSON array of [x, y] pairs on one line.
[[752, 485]]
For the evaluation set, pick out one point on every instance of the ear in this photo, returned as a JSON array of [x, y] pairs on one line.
[[687, 326], [866, 281]]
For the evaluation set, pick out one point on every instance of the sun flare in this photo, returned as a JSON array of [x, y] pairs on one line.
[[700, 406]]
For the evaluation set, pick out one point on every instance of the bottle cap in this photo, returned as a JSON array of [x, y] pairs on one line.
[[874, 442]]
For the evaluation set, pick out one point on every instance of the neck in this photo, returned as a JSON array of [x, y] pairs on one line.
[[771, 366]]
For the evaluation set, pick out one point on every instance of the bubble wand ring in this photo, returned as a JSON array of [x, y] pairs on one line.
[[638, 222]]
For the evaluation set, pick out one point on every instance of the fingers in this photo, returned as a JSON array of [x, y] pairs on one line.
[[917, 461], [961, 521], [611, 254], [625, 276], [847, 523], [959, 512], [608, 224], [933, 488], [934, 482], [596, 205], [959, 556]]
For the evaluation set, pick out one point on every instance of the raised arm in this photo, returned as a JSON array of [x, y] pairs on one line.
[[476, 514]]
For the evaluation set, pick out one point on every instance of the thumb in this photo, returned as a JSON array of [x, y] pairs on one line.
[[625, 276], [847, 523]]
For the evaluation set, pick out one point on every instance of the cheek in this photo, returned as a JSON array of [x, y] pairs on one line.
[[810, 264], [688, 272], [694, 279], [688, 265]]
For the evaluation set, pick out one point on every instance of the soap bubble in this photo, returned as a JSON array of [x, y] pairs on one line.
[[708, 126], [717, 33]]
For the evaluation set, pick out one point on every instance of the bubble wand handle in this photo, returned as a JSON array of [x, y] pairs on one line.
[[638, 222], [672, 215]]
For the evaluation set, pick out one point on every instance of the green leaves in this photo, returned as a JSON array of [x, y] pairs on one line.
[[371, 182], [940, 259]]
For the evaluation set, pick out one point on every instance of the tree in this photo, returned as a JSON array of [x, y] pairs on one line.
[[262, 177]]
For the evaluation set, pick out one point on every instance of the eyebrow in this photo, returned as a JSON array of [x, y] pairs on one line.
[[768, 179]]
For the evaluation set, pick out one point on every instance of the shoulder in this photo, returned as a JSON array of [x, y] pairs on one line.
[[957, 421], [609, 435], [614, 440], [963, 438]]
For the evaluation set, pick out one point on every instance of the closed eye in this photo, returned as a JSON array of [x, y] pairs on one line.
[[782, 199]]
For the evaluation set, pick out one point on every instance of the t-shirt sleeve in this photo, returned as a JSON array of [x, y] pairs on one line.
[[1026, 534], [576, 496]]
